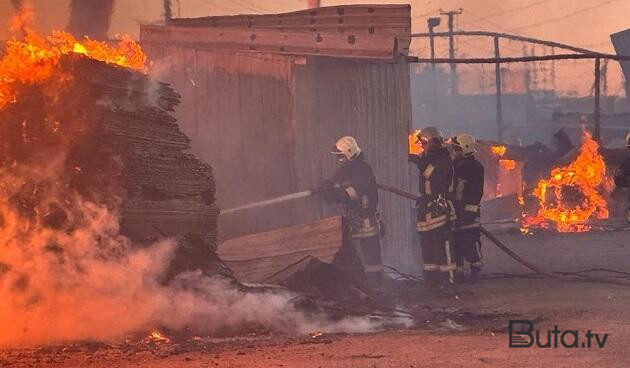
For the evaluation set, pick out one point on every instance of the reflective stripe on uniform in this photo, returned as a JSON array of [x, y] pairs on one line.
[[459, 190], [447, 268], [471, 207], [427, 187], [431, 223], [373, 268], [453, 212], [428, 171], [450, 267], [352, 192], [366, 230], [431, 267], [479, 263]]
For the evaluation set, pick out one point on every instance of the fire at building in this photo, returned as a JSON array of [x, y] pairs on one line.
[[310, 183]]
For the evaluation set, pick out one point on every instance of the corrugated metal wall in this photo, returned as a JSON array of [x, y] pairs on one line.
[[267, 125], [371, 101], [237, 109]]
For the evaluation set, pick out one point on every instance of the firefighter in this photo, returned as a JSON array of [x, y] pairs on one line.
[[622, 176], [468, 190], [434, 208], [354, 186]]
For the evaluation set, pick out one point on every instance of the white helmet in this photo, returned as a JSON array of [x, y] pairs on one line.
[[431, 137], [466, 143], [628, 140], [348, 147]]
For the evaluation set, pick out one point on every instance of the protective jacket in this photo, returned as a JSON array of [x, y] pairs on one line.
[[622, 174], [468, 190], [436, 184], [354, 186]]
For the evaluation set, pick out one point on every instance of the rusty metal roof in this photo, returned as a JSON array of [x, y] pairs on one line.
[[370, 31], [273, 41]]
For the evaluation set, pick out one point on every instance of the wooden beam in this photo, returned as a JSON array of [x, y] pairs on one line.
[[256, 258]]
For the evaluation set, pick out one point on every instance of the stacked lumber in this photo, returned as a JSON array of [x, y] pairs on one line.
[[123, 149]]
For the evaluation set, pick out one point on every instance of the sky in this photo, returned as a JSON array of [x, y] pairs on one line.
[[584, 23]]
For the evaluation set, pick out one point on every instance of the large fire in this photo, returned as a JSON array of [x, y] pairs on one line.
[[573, 193], [32, 59]]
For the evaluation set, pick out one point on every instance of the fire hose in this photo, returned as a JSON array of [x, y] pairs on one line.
[[565, 276]]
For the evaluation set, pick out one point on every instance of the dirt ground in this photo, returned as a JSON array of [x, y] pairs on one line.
[[466, 343]]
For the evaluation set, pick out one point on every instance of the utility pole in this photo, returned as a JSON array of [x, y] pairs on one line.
[[596, 110], [553, 71], [451, 47], [497, 71], [168, 12], [534, 75], [527, 78], [431, 24]]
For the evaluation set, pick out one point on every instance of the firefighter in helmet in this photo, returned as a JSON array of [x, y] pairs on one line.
[[354, 186], [468, 190], [622, 176], [434, 208]]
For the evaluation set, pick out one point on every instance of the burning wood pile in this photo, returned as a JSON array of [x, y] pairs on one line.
[[93, 170], [111, 130], [116, 143]]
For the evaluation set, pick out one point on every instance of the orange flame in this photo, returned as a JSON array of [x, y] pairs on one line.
[[498, 150], [582, 180], [159, 337], [507, 164], [33, 59], [415, 147]]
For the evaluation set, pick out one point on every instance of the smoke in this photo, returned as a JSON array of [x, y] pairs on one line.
[[89, 283], [90, 18]]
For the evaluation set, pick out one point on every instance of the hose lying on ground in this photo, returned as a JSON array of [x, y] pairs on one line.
[[563, 276]]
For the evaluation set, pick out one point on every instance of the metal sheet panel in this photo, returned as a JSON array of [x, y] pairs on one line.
[[272, 41], [621, 42], [391, 20]]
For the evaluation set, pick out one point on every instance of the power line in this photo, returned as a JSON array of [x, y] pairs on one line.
[[558, 19], [513, 10]]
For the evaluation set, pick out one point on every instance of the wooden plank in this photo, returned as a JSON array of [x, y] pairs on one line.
[[256, 257]]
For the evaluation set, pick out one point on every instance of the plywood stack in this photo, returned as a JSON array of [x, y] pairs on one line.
[[124, 149]]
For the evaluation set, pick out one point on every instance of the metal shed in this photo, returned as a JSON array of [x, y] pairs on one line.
[[265, 97]]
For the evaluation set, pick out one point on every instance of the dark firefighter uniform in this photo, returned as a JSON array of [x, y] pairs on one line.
[[468, 190], [435, 213], [354, 186], [622, 179]]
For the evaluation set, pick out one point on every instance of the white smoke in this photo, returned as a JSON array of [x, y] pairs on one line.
[[88, 282]]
